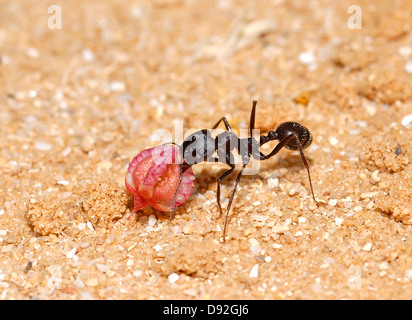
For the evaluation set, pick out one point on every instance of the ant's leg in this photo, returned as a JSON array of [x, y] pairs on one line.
[[280, 145], [172, 209], [182, 170], [227, 125], [174, 143], [183, 167], [306, 164], [231, 200], [252, 119], [219, 180]]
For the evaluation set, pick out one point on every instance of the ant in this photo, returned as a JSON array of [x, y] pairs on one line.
[[200, 146]]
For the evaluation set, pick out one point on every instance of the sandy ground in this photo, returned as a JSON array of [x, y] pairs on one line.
[[79, 100]]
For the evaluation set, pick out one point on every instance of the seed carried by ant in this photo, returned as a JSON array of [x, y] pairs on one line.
[[153, 177]]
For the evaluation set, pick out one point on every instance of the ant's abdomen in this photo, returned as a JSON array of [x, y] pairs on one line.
[[287, 128]]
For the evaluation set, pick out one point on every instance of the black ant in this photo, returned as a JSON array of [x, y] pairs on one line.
[[201, 146]]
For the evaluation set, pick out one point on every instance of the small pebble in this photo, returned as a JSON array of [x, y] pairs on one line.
[[367, 195], [104, 165], [89, 225], [92, 282], [375, 176], [367, 247], [408, 67], [292, 191], [254, 271], [295, 203], [78, 283], [407, 121], [273, 183], [102, 267], [81, 226], [333, 202], [255, 250], [152, 220], [42, 146], [88, 55], [357, 208], [333, 141], [66, 152], [172, 278], [88, 143], [117, 86], [137, 273], [280, 229], [307, 58], [339, 221], [312, 206], [71, 253], [259, 217], [253, 242], [249, 229], [408, 274], [383, 266], [32, 52], [405, 51], [86, 295], [188, 228], [85, 245], [190, 292]]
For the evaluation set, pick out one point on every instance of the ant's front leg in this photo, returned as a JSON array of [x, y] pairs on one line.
[[182, 167], [230, 161], [219, 180], [280, 145], [172, 209], [231, 200]]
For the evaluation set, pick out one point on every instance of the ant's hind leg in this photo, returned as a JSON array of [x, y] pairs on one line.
[[231, 200], [280, 145], [172, 209], [219, 180], [227, 125]]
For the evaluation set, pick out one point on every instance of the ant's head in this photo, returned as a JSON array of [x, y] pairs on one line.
[[287, 128]]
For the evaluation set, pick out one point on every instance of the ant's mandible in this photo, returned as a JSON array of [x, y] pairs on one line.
[[200, 146]]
